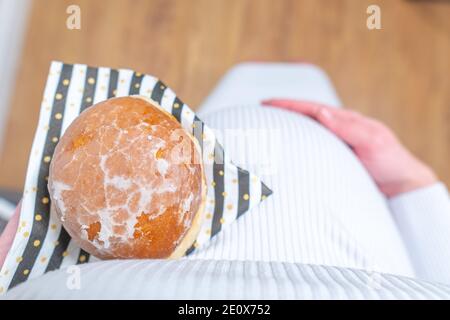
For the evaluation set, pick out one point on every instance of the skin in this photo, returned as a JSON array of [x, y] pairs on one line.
[[394, 169], [7, 237]]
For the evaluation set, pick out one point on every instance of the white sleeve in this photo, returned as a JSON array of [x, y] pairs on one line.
[[423, 219]]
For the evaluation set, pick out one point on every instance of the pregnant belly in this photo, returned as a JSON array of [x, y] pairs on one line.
[[325, 208]]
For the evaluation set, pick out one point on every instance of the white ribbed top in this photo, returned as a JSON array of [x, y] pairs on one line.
[[325, 208], [218, 279], [325, 219], [423, 219]]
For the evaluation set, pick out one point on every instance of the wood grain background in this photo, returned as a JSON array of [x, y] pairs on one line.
[[399, 74]]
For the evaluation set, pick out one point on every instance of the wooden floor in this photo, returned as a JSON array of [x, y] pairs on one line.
[[399, 74]]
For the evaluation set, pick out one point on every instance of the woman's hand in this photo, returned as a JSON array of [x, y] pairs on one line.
[[394, 169], [7, 237]]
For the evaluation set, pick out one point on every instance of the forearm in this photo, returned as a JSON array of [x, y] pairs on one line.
[[423, 219]]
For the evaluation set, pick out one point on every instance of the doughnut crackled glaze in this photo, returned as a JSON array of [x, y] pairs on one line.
[[127, 181]]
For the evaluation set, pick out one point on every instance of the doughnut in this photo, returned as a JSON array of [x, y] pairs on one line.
[[127, 181]]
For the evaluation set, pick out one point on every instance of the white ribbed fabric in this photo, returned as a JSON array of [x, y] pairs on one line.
[[248, 83], [325, 208], [423, 218], [325, 219], [203, 279]]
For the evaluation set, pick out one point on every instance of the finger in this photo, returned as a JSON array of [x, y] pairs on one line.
[[319, 112], [348, 125], [305, 107]]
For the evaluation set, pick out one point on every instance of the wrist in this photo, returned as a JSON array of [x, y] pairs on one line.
[[421, 178]]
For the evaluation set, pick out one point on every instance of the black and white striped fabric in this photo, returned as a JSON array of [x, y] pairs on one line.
[[41, 244]]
